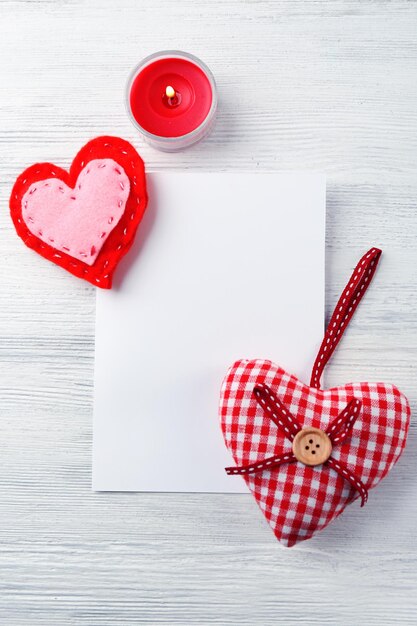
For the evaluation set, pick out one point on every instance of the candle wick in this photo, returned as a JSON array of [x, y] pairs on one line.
[[169, 91]]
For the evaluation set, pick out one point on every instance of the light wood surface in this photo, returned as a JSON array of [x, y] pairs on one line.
[[303, 84]]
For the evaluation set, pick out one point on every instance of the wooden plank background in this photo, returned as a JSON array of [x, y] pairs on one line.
[[303, 84]]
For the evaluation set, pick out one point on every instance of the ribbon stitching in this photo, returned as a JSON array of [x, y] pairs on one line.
[[338, 431]]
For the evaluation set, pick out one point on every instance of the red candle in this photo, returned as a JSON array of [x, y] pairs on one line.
[[172, 99]]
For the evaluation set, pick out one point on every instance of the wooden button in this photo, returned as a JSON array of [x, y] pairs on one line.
[[311, 446]]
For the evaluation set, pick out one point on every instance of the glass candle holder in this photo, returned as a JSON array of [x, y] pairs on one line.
[[171, 98]]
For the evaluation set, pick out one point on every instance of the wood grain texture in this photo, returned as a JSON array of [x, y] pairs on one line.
[[303, 84]]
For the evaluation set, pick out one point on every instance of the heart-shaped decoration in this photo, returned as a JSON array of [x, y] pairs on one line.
[[298, 500], [306, 453], [78, 221], [84, 220]]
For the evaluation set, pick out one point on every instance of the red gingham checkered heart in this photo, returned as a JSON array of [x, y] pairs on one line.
[[299, 500]]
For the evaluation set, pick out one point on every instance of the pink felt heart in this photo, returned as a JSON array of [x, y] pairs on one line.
[[298, 500], [78, 221]]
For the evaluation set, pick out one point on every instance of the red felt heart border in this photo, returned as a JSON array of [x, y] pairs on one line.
[[120, 239]]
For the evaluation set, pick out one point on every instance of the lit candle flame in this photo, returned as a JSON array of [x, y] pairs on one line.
[[169, 92]]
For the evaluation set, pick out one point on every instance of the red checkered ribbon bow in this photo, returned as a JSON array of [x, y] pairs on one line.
[[338, 430], [341, 427]]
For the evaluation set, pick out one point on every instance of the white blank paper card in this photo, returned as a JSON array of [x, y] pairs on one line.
[[224, 266]]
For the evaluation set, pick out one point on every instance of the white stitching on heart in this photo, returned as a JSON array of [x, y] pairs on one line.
[[79, 265]]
